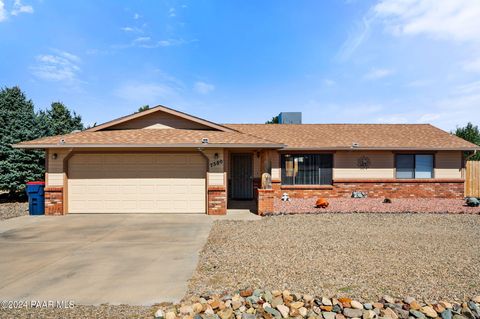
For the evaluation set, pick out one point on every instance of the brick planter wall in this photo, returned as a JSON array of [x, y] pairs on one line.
[[54, 201], [265, 201], [217, 200], [434, 188]]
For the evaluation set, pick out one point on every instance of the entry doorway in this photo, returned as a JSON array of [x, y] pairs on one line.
[[242, 176]]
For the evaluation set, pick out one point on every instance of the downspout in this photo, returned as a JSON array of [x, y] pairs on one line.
[[207, 161], [471, 155]]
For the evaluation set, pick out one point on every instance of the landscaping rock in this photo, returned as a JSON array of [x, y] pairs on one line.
[[283, 310], [273, 312], [428, 311], [352, 313], [417, 314], [246, 292], [297, 306], [447, 314], [368, 314], [388, 312], [159, 314], [326, 301], [328, 315], [355, 304]]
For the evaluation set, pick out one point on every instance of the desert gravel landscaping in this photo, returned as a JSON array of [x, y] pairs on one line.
[[364, 256], [80, 312], [13, 209]]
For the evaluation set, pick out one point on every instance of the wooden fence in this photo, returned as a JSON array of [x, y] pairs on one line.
[[472, 179]]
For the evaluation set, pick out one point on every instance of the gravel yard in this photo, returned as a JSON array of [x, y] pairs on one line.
[[375, 205], [78, 312], [364, 256], [13, 209]]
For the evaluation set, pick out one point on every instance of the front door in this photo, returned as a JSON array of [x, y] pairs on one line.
[[242, 176]]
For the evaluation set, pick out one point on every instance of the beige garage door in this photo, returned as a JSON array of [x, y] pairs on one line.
[[136, 183]]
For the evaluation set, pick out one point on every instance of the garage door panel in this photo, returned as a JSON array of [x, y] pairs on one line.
[[129, 183]]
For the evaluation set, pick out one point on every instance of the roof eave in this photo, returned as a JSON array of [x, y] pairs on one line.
[[173, 145], [342, 148]]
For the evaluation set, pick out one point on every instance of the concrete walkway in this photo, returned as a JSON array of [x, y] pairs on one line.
[[101, 258]]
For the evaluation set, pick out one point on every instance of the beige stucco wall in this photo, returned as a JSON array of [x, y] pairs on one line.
[[345, 165], [448, 164], [159, 120], [54, 174]]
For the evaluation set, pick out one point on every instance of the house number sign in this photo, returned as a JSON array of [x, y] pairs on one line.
[[216, 163]]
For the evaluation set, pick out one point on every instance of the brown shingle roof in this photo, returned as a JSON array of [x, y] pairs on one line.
[[371, 136], [290, 136], [149, 138]]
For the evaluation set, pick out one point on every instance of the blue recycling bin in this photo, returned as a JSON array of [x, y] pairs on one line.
[[36, 198]]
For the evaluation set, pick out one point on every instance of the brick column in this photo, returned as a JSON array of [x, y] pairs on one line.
[[276, 186], [217, 200], [265, 201], [53, 200]]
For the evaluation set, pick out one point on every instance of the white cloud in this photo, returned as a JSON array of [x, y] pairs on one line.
[[355, 39], [149, 43], [142, 40], [392, 119], [203, 87], [147, 93], [172, 12], [428, 117], [472, 66], [61, 66], [376, 74], [136, 16], [18, 8], [329, 82], [458, 20], [3, 12]]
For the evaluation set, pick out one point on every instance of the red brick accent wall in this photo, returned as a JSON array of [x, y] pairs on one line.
[[53, 200], [435, 188], [217, 200], [265, 201]]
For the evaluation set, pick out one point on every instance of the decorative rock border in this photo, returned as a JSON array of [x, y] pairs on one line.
[[373, 205], [276, 304]]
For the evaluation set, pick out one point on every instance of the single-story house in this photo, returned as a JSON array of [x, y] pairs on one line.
[[165, 161]]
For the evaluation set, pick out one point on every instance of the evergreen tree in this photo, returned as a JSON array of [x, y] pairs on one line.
[[470, 133], [143, 108], [18, 123], [58, 120], [274, 120]]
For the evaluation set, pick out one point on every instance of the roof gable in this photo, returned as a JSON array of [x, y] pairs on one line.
[[160, 117]]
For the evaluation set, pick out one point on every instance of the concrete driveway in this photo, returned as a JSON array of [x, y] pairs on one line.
[[94, 259]]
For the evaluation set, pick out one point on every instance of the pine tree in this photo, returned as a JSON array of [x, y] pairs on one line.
[[18, 123], [58, 120], [470, 133]]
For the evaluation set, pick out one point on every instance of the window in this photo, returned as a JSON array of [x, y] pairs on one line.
[[307, 169], [414, 166]]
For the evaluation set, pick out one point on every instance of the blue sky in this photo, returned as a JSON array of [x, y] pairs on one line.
[[338, 61]]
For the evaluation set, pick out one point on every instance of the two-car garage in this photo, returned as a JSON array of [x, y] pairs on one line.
[[136, 183]]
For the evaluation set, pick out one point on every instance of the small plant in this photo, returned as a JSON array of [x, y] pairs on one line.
[[387, 201], [321, 203]]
